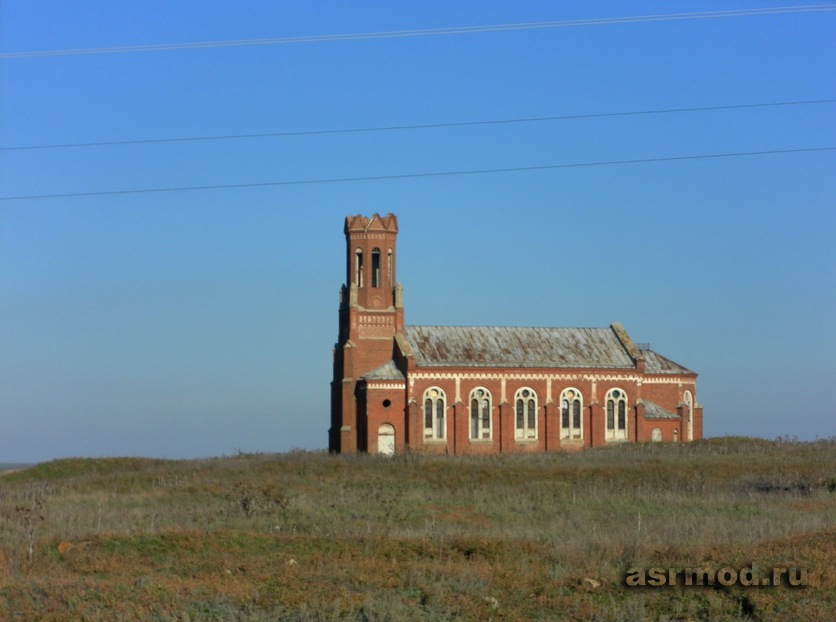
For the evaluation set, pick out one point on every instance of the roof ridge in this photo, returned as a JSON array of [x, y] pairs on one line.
[[506, 326]]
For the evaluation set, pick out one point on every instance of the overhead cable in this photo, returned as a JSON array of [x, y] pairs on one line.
[[334, 180], [389, 128], [423, 32]]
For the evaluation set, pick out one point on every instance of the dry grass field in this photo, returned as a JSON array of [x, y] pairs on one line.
[[308, 536]]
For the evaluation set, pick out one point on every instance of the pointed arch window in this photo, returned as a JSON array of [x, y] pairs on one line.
[[616, 414], [358, 268], [375, 267], [435, 408], [525, 425], [571, 407], [480, 414]]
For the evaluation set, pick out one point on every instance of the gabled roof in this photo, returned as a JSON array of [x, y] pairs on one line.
[[509, 346], [654, 411], [387, 371]]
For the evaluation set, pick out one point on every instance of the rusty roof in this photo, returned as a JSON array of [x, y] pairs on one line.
[[509, 346]]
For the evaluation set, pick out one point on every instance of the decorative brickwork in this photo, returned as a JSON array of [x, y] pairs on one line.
[[481, 390]]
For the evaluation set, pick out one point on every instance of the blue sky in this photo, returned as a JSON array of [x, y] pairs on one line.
[[199, 323]]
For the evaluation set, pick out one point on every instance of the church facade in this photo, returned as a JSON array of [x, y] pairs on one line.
[[485, 390]]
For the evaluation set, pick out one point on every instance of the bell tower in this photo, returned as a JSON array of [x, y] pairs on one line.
[[371, 314], [370, 264]]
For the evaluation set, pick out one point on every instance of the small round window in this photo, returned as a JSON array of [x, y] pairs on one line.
[[387, 403]]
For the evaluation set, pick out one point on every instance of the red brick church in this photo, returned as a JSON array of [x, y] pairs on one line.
[[487, 389]]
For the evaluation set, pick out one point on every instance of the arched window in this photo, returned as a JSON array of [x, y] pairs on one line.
[[389, 271], [480, 414], [656, 435], [616, 414], [375, 267], [525, 427], [358, 268], [571, 406], [689, 415], [435, 407]]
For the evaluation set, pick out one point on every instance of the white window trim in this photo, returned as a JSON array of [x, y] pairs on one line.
[[688, 399], [433, 434], [615, 434], [526, 434], [480, 435], [568, 434]]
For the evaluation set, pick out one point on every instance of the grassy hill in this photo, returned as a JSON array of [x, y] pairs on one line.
[[9, 466], [308, 536]]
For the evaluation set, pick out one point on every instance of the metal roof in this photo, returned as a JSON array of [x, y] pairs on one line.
[[654, 411], [509, 346], [655, 363], [387, 371]]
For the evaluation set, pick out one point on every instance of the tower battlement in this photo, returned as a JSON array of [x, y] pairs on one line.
[[389, 222]]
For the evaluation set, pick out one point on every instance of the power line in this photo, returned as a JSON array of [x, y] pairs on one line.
[[390, 128], [393, 34], [333, 180]]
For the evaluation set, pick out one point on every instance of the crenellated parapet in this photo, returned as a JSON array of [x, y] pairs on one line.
[[389, 223]]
